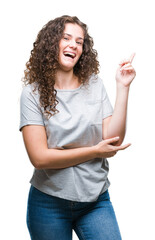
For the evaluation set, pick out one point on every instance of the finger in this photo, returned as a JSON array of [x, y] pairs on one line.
[[129, 60], [122, 147], [112, 140], [127, 69], [126, 65], [123, 62], [132, 57]]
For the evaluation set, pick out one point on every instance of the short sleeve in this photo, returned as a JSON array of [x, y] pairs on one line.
[[30, 112], [107, 109]]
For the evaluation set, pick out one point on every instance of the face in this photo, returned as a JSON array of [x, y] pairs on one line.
[[70, 46]]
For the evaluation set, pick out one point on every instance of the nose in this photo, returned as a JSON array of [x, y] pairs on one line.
[[72, 44]]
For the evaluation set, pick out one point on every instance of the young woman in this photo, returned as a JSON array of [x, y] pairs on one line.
[[69, 129]]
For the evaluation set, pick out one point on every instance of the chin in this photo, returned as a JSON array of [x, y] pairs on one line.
[[67, 67]]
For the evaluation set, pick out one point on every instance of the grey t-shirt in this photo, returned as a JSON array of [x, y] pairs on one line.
[[78, 124]]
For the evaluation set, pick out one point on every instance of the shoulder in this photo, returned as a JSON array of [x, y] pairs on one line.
[[29, 92], [29, 89], [96, 86], [95, 81]]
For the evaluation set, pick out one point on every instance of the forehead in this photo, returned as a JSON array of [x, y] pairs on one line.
[[74, 30]]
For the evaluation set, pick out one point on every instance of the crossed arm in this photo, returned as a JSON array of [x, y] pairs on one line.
[[35, 138]]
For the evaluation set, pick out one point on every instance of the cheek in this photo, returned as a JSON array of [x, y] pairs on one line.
[[61, 46], [80, 52]]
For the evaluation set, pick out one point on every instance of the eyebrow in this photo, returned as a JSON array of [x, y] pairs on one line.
[[72, 36]]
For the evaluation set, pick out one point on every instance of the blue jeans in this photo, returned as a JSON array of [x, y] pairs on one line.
[[53, 218]]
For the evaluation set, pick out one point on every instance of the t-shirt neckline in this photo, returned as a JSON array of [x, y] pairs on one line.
[[69, 90]]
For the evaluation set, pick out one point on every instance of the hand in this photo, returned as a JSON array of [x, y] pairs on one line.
[[125, 72], [106, 149]]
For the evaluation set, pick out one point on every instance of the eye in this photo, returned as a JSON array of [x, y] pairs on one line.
[[79, 43], [66, 38]]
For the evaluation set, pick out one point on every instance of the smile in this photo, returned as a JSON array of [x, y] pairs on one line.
[[69, 54]]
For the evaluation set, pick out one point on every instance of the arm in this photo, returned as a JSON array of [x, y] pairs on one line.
[[116, 124], [41, 157]]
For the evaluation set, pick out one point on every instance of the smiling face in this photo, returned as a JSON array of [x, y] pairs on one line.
[[70, 46]]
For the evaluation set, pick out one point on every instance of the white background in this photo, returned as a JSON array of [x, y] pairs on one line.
[[118, 28]]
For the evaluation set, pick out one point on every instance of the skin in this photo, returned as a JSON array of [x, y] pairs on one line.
[[116, 124], [34, 136], [72, 42]]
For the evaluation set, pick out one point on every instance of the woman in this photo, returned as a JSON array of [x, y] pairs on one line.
[[69, 129]]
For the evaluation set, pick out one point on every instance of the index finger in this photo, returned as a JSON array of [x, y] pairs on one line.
[[132, 57]]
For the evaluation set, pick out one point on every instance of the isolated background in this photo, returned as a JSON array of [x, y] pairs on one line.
[[119, 28]]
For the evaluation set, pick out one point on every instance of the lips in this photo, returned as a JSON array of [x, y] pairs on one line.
[[69, 54]]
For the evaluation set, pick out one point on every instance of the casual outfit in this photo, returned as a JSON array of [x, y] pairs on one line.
[[53, 191]]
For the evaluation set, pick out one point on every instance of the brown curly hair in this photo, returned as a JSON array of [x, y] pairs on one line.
[[43, 62]]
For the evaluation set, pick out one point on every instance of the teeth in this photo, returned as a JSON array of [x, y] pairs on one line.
[[69, 54]]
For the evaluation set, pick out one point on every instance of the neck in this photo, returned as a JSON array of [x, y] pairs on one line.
[[66, 80]]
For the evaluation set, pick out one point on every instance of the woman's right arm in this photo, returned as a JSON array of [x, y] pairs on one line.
[[42, 157]]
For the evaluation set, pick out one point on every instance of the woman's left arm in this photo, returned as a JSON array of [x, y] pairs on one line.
[[116, 124]]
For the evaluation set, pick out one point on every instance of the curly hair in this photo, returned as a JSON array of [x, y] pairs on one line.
[[43, 62]]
